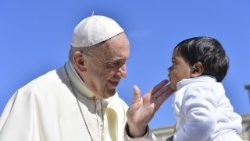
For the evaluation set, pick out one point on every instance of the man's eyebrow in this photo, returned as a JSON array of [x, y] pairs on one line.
[[116, 60]]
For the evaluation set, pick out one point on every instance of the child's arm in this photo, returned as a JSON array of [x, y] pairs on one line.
[[198, 117]]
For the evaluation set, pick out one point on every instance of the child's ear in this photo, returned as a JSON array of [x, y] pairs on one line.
[[197, 69]]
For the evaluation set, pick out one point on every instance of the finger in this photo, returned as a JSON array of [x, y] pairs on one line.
[[159, 85], [164, 90], [162, 97], [160, 100], [147, 98], [137, 94]]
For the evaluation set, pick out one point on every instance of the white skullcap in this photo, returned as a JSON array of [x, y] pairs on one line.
[[93, 30]]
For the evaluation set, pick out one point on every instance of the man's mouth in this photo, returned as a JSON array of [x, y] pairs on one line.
[[114, 83]]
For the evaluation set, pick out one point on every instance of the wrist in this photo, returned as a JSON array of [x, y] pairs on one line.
[[135, 132]]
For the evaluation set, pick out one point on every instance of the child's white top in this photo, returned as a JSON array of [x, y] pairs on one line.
[[203, 111]]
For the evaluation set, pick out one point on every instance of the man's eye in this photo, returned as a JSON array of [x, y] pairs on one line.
[[115, 64], [110, 65]]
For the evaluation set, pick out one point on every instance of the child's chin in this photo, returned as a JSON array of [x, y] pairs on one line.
[[173, 87]]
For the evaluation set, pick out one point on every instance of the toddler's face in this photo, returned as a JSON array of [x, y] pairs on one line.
[[178, 71]]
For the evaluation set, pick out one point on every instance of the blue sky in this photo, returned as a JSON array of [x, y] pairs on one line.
[[35, 37]]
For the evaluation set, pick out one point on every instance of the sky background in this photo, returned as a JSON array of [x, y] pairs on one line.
[[35, 37]]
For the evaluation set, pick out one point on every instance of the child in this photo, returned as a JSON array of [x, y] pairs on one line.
[[202, 110]]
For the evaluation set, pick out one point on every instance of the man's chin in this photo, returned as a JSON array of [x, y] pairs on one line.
[[110, 93]]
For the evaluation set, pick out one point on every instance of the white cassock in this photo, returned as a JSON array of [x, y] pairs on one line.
[[203, 112], [46, 109]]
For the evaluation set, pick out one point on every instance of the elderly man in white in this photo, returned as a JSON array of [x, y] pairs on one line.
[[79, 101]]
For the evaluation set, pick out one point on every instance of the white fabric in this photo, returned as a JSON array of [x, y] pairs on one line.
[[203, 112], [46, 110], [93, 30]]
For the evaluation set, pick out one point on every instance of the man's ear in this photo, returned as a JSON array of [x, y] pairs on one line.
[[79, 61], [197, 69]]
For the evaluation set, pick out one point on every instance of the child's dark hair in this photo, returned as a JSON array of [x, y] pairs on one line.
[[207, 51]]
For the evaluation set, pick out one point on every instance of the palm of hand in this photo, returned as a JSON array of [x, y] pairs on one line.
[[142, 109]]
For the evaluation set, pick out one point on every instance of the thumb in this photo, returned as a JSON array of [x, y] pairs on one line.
[[137, 94]]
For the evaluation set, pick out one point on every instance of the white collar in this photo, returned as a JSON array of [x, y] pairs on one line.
[[77, 82], [187, 81]]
